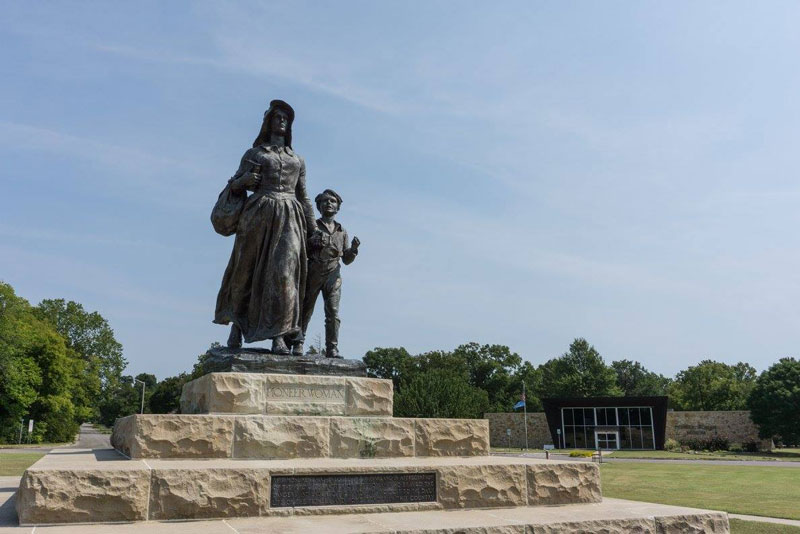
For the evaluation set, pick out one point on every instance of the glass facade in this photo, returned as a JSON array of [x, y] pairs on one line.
[[608, 428]]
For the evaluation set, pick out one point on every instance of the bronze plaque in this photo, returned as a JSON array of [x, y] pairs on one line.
[[330, 490]]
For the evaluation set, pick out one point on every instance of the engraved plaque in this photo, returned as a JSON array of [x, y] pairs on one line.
[[303, 393], [328, 490]]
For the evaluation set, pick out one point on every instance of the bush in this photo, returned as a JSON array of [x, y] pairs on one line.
[[581, 454], [750, 446], [716, 443], [672, 445]]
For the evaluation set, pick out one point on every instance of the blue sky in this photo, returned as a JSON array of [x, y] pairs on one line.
[[520, 173]]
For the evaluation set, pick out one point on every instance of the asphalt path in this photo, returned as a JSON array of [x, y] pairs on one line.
[[88, 438]]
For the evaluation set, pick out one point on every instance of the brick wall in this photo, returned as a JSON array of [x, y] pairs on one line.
[[538, 433], [735, 426]]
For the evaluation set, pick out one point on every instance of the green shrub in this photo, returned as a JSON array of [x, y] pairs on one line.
[[716, 443], [751, 446], [672, 445], [581, 454]]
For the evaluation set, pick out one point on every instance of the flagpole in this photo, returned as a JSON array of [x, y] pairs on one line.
[[525, 414]]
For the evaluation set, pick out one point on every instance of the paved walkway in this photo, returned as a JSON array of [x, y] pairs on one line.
[[776, 520], [611, 459]]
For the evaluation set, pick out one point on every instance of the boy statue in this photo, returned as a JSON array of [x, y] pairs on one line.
[[326, 245]]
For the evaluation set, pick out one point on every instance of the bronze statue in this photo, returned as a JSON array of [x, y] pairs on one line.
[[327, 244], [263, 287]]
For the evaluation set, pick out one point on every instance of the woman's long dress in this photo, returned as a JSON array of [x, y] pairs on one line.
[[262, 289]]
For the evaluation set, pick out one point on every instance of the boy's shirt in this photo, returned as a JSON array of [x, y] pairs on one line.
[[328, 246]]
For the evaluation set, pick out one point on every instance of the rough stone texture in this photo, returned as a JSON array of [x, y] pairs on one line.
[[281, 437], [563, 483], [254, 360], [600, 526], [538, 433], [735, 426], [482, 486], [75, 496], [224, 393], [371, 437], [122, 434], [81, 485], [173, 436], [710, 523], [276, 394], [369, 396], [451, 437], [305, 395], [205, 493]]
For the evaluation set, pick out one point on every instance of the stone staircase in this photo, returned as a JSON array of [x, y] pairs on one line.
[[280, 445]]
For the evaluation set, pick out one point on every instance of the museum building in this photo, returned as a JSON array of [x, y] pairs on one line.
[[607, 423]]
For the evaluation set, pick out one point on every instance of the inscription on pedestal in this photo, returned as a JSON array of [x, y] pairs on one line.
[[329, 490], [333, 393]]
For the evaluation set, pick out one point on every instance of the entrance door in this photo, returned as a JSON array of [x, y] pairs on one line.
[[606, 441]]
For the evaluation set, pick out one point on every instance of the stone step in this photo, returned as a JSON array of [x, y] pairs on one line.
[[284, 394], [276, 436], [74, 486], [612, 516]]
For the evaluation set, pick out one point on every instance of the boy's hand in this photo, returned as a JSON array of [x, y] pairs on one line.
[[354, 244]]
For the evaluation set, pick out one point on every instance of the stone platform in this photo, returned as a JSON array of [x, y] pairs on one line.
[[283, 437], [284, 446], [277, 394], [254, 360], [72, 486]]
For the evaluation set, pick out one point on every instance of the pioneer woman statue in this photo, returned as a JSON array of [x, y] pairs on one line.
[[263, 286]]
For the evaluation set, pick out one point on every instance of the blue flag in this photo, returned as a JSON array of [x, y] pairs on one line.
[[520, 404]]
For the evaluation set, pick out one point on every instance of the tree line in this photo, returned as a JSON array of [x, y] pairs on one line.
[[61, 365]]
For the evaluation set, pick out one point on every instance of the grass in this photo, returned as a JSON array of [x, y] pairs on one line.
[[753, 490], [515, 450], [33, 445], [778, 455], [752, 527], [14, 464]]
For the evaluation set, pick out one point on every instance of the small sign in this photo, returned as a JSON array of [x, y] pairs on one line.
[[558, 431], [549, 447], [508, 431], [30, 426]]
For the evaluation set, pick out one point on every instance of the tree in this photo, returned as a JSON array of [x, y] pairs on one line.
[[580, 372], [37, 373], [712, 385], [774, 402], [166, 397], [636, 381], [492, 368], [91, 340], [532, 377], [439, 393], [395, 364]]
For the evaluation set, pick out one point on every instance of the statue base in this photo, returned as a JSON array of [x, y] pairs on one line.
[[254, 360]]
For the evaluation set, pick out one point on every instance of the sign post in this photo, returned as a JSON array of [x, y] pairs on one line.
[[525, 414], [558, 431], [508, 434], [30, 429]]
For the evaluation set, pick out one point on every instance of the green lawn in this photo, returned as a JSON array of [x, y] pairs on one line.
[[751, 527], [14, 464], [753, 490], [778, 455]]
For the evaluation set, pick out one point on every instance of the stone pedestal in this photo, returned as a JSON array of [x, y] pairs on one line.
[[275, 445], [253, 360]]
